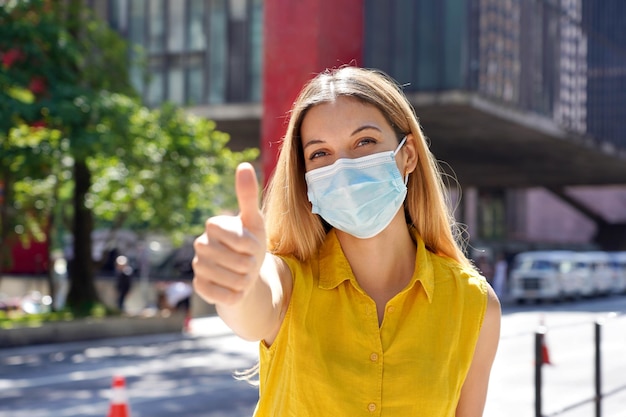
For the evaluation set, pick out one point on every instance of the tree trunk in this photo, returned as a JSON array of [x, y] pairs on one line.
[[50, 234], [5, 194], [82, 295]]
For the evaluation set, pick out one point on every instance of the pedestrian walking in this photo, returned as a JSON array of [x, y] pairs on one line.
[[500, 272], [123, 280]]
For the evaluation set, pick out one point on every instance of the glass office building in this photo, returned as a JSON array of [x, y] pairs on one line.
[[196, 52]]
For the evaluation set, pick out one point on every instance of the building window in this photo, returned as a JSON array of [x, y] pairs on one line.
[[196, 51], [156, 30], [195, 85], [491, 214], [218, 34], [195, 30], [420, 43], [155, 92], [256, 50], [176, 26], [176, 85], [136, 25]]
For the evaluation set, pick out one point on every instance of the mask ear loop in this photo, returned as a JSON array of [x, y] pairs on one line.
[[402, 142], [400, 145]]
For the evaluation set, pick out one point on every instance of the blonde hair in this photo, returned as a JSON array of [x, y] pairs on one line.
[[292, 229]]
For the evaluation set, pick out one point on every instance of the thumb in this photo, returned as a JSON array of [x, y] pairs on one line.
[[247, 190]]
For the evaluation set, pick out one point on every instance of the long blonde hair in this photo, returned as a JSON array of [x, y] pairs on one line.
[[292, 229]]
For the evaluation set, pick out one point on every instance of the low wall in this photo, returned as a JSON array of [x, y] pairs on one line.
[[90, 329]]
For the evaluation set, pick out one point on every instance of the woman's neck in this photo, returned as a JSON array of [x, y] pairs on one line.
[[384, 264]]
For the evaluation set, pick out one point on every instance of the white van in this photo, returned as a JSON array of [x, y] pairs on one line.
[[618, 265], [543, 275], [593, 269]]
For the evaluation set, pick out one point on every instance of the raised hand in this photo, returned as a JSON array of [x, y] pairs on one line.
[[230, 252]]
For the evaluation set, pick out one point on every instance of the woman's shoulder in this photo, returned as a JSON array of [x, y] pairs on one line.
[[295, 265], [446, 268], [300, 274]]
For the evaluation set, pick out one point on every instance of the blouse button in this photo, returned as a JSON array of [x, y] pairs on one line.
[[374, 357], [391, 309], [371, 407]]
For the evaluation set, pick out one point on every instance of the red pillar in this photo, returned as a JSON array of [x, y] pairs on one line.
[[301, 39]]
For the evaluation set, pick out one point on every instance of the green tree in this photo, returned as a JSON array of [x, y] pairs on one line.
[[65, 73], [56, 52], [26, 147], [176, 172]]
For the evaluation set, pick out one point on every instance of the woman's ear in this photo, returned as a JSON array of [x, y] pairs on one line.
[[409, 155]]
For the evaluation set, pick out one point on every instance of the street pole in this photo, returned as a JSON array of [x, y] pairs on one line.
[[539, 335], [598, 368]]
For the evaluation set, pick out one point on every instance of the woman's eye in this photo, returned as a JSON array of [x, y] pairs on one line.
[[317, 154], [365, 141]]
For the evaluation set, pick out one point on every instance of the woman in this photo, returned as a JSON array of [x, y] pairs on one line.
[[351, 277]]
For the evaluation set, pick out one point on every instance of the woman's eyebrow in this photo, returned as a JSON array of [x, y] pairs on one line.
[[357, 130], [365, 127], [313, 142]]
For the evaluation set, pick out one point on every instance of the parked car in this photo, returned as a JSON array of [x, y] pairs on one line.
[[543, 275], [594, 270], [618, 266]]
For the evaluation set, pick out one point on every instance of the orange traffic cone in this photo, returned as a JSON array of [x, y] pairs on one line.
[[545, 354], [119, 401], [187, 323]]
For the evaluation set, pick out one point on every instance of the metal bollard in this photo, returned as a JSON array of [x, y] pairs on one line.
[[539, 335], [598, 368]]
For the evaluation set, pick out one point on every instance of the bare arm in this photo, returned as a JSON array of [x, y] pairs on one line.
[[259, 314], [474, 391], [232, 270]]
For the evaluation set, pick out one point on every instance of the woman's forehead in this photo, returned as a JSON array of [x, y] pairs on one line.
[[343, 114]]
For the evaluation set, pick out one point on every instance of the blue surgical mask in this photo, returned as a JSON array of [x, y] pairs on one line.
[[359, 196]]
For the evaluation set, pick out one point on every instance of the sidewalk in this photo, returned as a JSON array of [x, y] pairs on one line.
[[141, 316]]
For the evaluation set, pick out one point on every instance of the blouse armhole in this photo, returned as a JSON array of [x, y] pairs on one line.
[[285, 270]]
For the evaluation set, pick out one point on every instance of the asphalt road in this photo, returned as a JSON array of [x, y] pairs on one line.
[[166, 375], [192, 375], [568, 380]]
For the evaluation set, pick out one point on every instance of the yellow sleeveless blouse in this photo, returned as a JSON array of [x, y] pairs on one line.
[[331, 358]]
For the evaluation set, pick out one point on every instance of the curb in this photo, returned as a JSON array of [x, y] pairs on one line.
[[90, 329]]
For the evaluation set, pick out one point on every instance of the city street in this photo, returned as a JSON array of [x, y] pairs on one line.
[[569, 379], [166, 375], [193, 375]]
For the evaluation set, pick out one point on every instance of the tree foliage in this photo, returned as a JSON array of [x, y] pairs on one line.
[[77, 148], [175, 172]]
